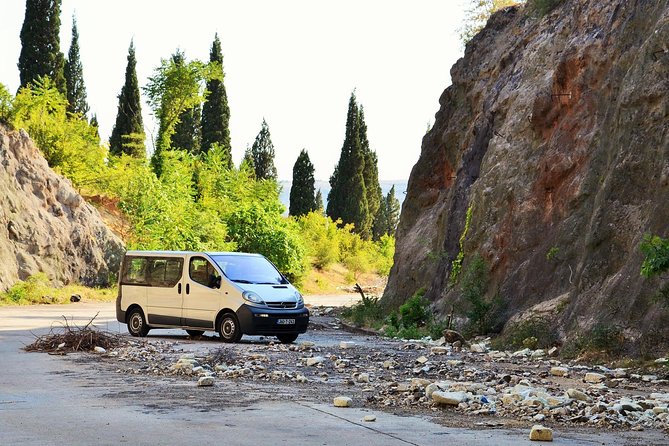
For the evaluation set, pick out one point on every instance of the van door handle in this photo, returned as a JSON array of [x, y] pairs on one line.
[[188, 288], [179, 289]]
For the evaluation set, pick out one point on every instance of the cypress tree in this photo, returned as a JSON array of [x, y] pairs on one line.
[[40, 44], [262, 152], [247, 162], [128, 133], [95, 124], [302, 200], [319, 201], [347, 199], [215, 110], [373, 190], [74, 76], [388, 216]]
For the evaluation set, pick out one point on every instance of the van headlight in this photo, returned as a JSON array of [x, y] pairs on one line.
[[299, 299], [253, 298]]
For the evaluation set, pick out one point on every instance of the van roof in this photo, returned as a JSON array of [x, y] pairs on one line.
[[141, 252]]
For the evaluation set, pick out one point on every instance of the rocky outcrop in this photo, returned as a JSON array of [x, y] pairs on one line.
[[45, 225], [555, 135]]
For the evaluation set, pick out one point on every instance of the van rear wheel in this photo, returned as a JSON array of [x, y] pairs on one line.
[[287, 338], [195, 333], [137, 325], [229, 328]]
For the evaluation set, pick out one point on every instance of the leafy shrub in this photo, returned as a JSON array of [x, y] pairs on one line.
[[414, 311], [656, 252], [474, 285], [535, 332], [366, 313], [603, 339], [5, 104]]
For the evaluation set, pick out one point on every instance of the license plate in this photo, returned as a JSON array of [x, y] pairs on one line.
[[285, 321]]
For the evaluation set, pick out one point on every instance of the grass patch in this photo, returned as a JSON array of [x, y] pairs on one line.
[[37, 289], [601, 342]]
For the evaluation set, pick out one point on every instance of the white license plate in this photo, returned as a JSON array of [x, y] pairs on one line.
[[285, 321]]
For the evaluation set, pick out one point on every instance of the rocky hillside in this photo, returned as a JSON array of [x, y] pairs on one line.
[[555, 135], [45, 225]]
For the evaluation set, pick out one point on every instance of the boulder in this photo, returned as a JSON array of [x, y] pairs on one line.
[[449, 398], [541, 433], [342, 401]]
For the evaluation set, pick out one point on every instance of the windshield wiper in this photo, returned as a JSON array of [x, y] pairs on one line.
[[242, 281]]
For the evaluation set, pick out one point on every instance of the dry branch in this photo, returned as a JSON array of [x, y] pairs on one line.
[[71, 338]]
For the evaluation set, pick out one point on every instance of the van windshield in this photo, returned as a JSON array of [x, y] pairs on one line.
[[249, 269]]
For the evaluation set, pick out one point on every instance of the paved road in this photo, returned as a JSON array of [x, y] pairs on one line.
[[44, 400]]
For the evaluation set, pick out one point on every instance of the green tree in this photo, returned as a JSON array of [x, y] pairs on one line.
[[318, 201], [262, 152], [373, 190], [347, 200], [302, 200], [40, 44], [128, 133], [95, 124], [5, 104], [478, 14], [74, 77], [656, 255], [388, 216], [187, 130], [247, 163], [174, 88], [215, 110]]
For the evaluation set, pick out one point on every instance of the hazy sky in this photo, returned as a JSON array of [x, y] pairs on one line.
[[292, 62]]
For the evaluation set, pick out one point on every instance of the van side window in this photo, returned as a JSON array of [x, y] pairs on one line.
[[203, 272], [165, 272], [135, 270]]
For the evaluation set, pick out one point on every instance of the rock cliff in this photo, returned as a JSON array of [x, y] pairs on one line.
[[555, 135], [45, 225]]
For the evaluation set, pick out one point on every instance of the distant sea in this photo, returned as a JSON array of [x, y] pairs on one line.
[[324, 186]]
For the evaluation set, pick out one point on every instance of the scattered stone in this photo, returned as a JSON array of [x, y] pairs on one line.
[[440, 350], [451, 336], [559, 371], [342, 401], [363, 378], [61, 345], [541, 433], [205, 381], [422, 360], [346, 344], [577, 395], [315, 361], [594, 378], [369, 418], [99, 350], [449, 398], [389, 364], [553, 352], [478, 348], [538, 354]]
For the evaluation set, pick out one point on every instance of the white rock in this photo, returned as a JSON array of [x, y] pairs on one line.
[[594, 378], [342, 401], [523, 352], [577, 395], [660, 409], [541, 433], [559, 371], [369, 418], [553, 352], [205, 381], [315, 360], [99, 350], [389, 364], [539, 417], [61, 345], [538, 354], [662, 361], [478, 348], [439, 350], [363, 378], [346, 344], [421, 360], [306, 344], [649, 378], [450, 398]]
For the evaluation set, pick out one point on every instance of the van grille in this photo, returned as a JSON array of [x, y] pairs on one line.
[[281, 304]]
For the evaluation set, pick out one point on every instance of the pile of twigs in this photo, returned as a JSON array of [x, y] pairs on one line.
[[69, 337]]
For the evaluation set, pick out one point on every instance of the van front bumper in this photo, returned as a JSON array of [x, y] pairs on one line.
[[269, 321]]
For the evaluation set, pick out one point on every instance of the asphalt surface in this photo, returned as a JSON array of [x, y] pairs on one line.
[[46, 400]]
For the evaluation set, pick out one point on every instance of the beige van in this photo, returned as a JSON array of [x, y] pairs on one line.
[[228, 292]]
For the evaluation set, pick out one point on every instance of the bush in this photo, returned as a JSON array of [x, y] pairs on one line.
[[414, 311], [366, 313], [535, 332], [601, 339], [543, 7], [474, 284], [656, 255]]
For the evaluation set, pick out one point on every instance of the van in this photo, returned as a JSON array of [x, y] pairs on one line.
[[231, 293]]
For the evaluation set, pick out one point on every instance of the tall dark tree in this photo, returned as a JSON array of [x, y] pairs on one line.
[[348, 197], [262, 152], [40, 44], [319, 201], [74, 77], [187, 131], [388, 216], [302, 200], [128, 133], [373, 190], [215, 110]]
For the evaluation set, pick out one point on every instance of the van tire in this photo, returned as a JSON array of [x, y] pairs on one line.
[[287, 338], [195, 333], [137, 325], [228, 328]]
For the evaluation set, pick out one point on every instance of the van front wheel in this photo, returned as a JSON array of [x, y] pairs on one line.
[[228, 328], [137, 325]]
